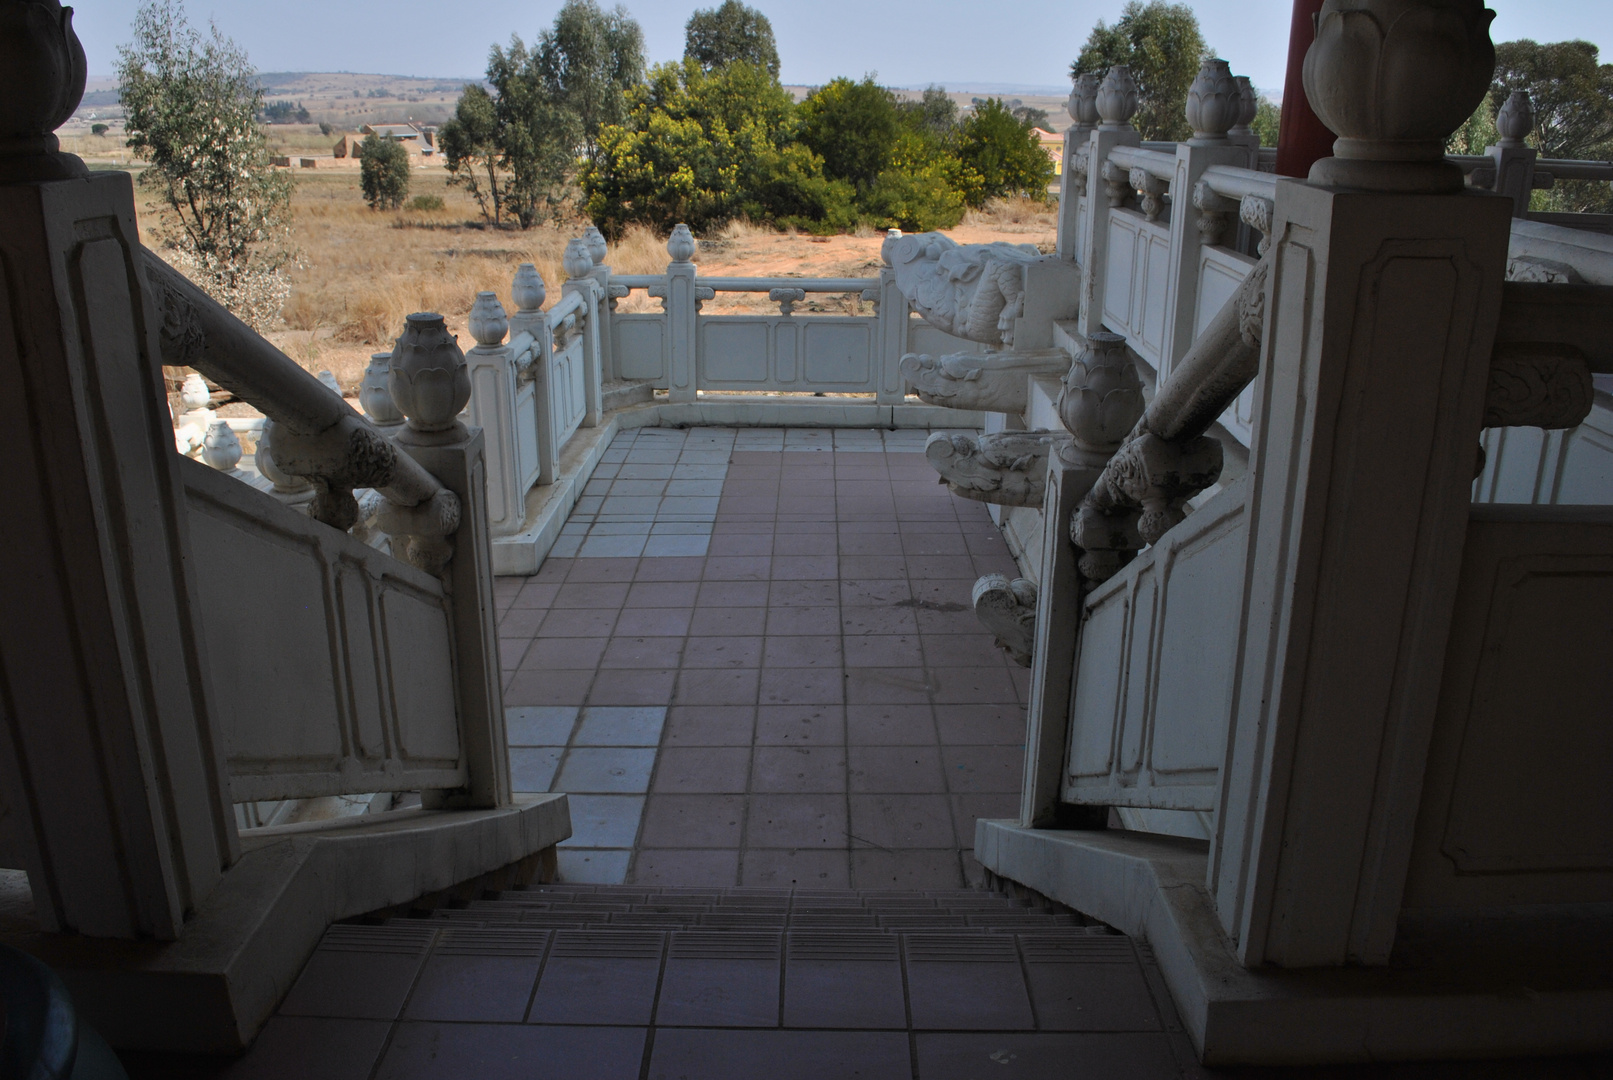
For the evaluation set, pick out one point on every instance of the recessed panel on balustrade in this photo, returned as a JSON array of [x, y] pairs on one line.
[[812, 353], [639, 346]]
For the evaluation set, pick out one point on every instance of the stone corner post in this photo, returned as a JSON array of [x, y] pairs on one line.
[[432, 384], [1083, 109], [490, 365], [111, 763], [891, 328], [1381, 312], [604, 305]]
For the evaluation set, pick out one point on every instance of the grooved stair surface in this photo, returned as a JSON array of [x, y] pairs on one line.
[[628, 983]]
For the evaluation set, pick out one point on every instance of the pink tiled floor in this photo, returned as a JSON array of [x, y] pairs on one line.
[[835, 716]]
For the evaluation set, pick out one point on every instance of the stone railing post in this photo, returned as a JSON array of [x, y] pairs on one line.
[[431, 383], [682, 311], [111, 767], [1083, 109], [491, 367], [1381, 311], [597, 251], [1215, 103], [1116, 104], [579, 267], [529, 293], [1514, 161], [891, 330]]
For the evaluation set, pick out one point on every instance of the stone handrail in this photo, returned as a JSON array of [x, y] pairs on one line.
[[315, 434], [1159, 163]]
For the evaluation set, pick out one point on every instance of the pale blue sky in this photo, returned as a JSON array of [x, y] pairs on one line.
[[905, 41]]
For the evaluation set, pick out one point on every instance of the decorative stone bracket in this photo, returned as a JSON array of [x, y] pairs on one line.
[[1256, 212], [786, 299], [1152, 191], [992, 382], [1008, 610], [1008, 468]]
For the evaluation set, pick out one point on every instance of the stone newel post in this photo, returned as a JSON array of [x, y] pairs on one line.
[[1381, 316], [580, 266], [1116, 104], [111, 776], [682, 309], [431, 384]]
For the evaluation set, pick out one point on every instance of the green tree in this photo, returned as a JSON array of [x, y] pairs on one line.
[[1161, 44], [1004, 152], [383, 172], [923, 187], [1572, 95], [852, 126], [536, 132], [586, 63], [191, 106], [470, 148], [717, 36], [1267, 122], [934, 114], [705, 147]]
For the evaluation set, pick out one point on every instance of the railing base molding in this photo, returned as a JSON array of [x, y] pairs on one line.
[[1446, 1006], [549, 505], [210, 991]]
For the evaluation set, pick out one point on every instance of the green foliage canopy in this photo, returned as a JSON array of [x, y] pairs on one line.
[[537, 135], [934, 114], [383, 172], [1161, 44], [470, 148], [852, 126], [1004, 152], [717, 36], [586, 63], [704, 147]]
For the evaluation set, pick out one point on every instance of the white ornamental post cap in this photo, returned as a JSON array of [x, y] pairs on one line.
[[1516, 119], [330, 383], [596, 244], [429, 382], [1393, 79], [488, 323], [193, 392], [527, 290], [42, 72], [1083, 103], [375, 392], [577, 262], [1213, 102], [891, 236], [1248, 105], [680, 245], [221, 448], [1117, 98]]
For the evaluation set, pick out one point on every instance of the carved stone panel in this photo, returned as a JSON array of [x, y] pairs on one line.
[[990, 382], [1008, 468]]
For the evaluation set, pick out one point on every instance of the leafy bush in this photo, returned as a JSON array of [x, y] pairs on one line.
[[1004, 153], [326, 128], [426, 202], [705, 147], [98, 129], [190, 106], [383, 172]]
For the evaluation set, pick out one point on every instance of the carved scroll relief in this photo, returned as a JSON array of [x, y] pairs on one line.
[[1008, 610], [993, 382], [1008, 468], [972, 291]]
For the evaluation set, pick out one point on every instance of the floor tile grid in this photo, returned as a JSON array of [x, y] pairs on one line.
[[864, 472]]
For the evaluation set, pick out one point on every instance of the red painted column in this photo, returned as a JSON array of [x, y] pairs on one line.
[[1302, 139]]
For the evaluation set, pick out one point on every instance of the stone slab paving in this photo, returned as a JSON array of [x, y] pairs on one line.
[[751, 660]]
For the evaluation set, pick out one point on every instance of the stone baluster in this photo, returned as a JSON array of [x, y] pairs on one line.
[[682, 309], [431, 384], [1108, 186], [1083, 109], [579, 266], [786, 299], [1151, 191]]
